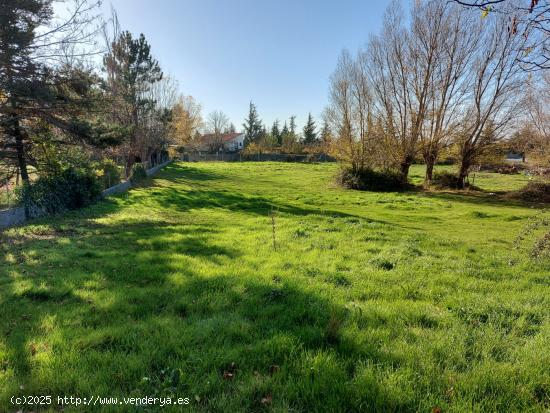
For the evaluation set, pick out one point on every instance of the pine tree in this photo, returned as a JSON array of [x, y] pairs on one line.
[[263, 133], [252, 125], [131, 71], [325, 134], [310, 135], [276, 133], [285, 131], [293, 125], [286, 138], [34, 93], [18, 72]]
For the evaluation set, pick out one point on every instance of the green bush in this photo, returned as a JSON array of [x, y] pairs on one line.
[[139, 173], [54, 158], [110, 173], [71, 189], [371, 180]]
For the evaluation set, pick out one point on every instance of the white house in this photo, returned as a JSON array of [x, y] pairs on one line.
[[233, 142]]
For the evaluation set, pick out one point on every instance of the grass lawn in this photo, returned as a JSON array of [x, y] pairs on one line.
[[370, 301]]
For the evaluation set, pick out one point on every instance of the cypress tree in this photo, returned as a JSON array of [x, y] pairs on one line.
[[310, 135], [252, 125], [293, 127], [285, 131], [276, 133]]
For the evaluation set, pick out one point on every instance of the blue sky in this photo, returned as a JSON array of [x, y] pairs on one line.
[[277, 53]]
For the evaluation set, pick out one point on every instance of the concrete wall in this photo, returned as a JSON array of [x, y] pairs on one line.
[[157, 168], [124, 186], [13, 216], [117, 189], [16, 216]]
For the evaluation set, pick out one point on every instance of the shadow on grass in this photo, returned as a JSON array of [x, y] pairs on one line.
[[88, 304], [118, 308], [480, 198], [177, 172], [196, 199], [475, 196], [111, 305]]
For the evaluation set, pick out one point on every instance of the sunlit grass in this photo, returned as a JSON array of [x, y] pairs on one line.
[[369, 302]]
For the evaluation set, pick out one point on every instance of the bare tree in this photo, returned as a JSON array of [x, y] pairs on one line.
[[445, 39], [339, 113], [155, 123], [530, 18], [534, 135], [217, 123], [494, 100], [71, 39], [399, 97]]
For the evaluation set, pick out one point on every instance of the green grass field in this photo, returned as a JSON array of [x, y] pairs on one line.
[[369, 301]]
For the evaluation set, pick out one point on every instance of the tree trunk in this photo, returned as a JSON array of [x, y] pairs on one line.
[[405, 166], [130, 161], [430, 159], [127, 167], [429, 171], [463, 173], [20, 147]]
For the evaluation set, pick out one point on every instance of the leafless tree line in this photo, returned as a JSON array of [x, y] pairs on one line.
[[446, 76]]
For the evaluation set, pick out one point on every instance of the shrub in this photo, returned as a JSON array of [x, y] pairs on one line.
[[139, 174], [110, 173], [371, 180], [446, 180], [537, 228], [54, 159], [539, 171], [503, 168], [534, 192], [71, 189]]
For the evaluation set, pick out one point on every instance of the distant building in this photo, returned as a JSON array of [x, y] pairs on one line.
[[515, 157], [228, 142]]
